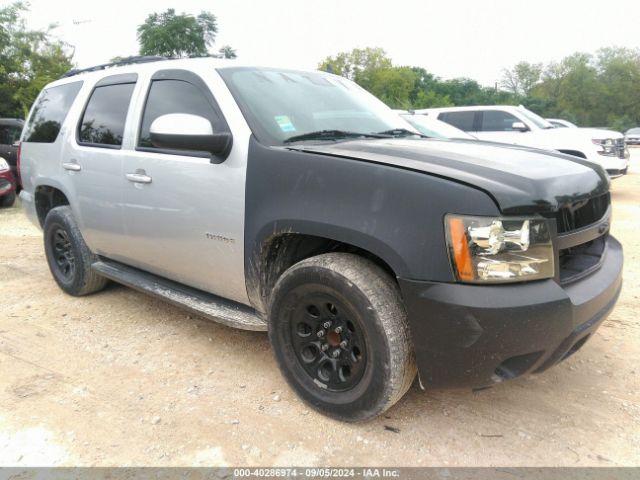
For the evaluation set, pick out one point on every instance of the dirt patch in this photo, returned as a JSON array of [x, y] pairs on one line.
[[119, 378]]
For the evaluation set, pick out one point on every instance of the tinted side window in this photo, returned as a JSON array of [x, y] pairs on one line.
[[9, 134], [49, 113], [174, 96], [462, 120], [497, 121], [103, 119]]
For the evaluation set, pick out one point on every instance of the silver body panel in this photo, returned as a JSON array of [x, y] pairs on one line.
[[187, 224]]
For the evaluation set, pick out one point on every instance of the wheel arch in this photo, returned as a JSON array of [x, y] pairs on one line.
[[47, 196], [284, 244]]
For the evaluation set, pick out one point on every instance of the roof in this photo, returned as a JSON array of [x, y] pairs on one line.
[[100, 71], [473, 107]]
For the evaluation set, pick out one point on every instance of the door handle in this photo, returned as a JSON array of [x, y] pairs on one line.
[[72, 166], [139, 176]]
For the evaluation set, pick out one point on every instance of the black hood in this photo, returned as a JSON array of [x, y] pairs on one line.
[[519, 179]]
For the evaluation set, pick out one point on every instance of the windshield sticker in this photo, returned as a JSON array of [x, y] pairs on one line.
[[284, 123]]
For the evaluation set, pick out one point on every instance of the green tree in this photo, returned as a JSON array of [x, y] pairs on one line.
[[520, 79], [393, 85], [619, 74], [357, 65], [171, 35], [408, 87], [29, 59], [227, 52]]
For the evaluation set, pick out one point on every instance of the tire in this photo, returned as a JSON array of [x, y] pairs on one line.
[[7, 201], [68, 256], [362, 303]]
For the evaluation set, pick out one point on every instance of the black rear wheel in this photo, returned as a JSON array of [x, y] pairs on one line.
[[63, 253], [340, 335], [68, 256]]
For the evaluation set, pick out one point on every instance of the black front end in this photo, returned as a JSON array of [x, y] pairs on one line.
[[476, 335]]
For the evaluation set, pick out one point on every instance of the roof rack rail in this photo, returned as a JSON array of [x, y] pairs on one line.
[[122, 61]]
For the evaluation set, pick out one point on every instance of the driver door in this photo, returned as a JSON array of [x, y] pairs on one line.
[[497, 126], [183, 214]]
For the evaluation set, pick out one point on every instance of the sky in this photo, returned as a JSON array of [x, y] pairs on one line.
[[450, 38]]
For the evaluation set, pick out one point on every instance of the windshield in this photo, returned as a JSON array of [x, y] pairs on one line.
[[634, 131], [434, 128], [536, 119], [282, 104]]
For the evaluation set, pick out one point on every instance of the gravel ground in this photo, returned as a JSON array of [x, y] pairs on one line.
[[119, 378]]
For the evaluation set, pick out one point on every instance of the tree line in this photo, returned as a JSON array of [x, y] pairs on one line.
[[601, 89]]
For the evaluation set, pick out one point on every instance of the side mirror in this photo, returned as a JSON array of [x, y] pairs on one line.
[[182, 131], [16, 144], [519, 127]]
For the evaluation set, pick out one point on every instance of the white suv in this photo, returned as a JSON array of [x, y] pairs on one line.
[[519, 126]]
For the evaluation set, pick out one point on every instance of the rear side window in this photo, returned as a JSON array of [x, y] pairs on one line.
[[462, 120], [49, 113], [104, 117], [497, 121], [174, 96]]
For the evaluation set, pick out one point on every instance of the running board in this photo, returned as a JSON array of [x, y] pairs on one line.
[[201, 303]]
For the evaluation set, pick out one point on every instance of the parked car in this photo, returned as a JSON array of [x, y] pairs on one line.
[[632, 136], [298, 203], [519, 126], [7, 185], [10, 129], [559, 123], [432, 127]]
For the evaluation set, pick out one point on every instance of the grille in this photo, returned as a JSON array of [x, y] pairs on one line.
[[583, 213], [578, 261], [620, 147]]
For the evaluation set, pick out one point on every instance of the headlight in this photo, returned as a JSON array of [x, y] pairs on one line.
[[608, 146], [3, 165], [499, 250]]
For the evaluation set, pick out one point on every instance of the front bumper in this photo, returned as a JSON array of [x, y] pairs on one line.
[[475, 336], [613, 165]]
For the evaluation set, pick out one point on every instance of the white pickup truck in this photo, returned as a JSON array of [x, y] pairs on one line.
[[519, 126]]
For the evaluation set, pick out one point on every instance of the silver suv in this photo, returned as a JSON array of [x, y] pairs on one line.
[[296, 202]]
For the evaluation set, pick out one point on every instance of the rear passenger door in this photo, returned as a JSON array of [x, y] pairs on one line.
[[183, 212], [94, 163], [465, 120]]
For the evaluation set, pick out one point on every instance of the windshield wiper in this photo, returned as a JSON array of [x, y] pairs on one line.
[[332, 135], [401, 132]]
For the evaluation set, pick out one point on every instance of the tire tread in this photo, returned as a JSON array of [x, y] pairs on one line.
[[90, 281], [384, 295]]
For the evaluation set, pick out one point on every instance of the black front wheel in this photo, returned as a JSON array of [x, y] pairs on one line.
[[340, 335], [68, 256]]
